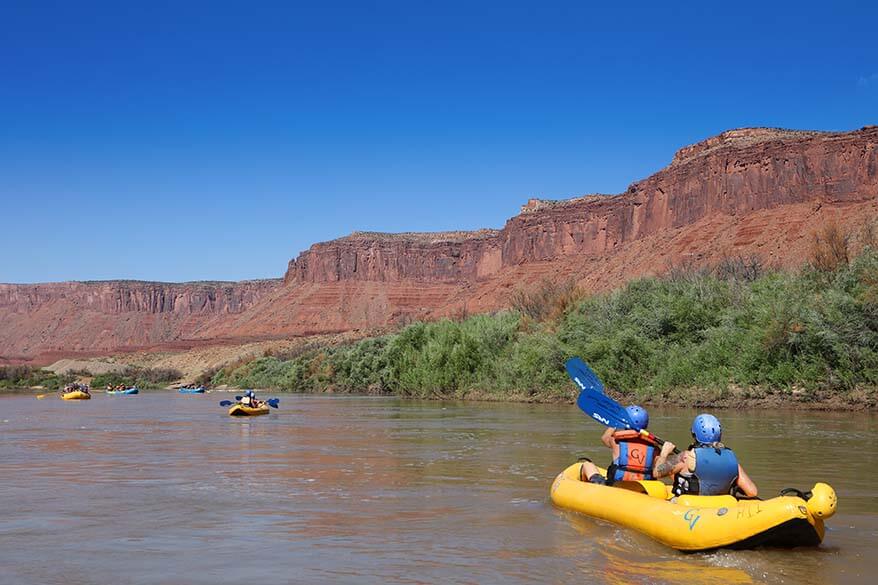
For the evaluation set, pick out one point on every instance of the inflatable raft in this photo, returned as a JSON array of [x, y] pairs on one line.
[[76, 395], [199, 390], [700, 523], [126, 391], [242, 410]]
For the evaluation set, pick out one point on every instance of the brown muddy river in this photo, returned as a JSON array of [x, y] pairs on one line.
[[165, 488]]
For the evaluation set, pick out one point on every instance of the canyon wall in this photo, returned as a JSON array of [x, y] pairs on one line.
[[66, 318], [733, 174], [748, 191]]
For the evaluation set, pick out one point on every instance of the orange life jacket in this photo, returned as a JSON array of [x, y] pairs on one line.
[[636, 456]]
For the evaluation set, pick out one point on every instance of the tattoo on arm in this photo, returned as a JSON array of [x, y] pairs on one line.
[[667, 466]]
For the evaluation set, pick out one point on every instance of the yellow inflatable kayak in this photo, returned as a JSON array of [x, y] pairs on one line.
[[76, 395], [700, 523], [242, 410]]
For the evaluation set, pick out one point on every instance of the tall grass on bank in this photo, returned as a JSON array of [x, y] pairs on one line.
[[732, 325]]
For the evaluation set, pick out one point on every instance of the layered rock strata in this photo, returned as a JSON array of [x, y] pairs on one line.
[[748, 191]]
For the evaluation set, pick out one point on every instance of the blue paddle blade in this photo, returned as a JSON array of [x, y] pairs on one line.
[[272, 402], [592, 401], [226, 403], [583, 375], [603, 409], [238, 398]]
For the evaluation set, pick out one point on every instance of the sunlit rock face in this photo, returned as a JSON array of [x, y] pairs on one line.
[[751, 191]]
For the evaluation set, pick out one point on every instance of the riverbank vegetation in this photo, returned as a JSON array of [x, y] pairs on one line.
[[139, 377], [23, 377], [735, 329], [17, 377]]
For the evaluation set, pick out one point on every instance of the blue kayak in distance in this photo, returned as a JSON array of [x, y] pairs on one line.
[[199, 390], [126, 391]]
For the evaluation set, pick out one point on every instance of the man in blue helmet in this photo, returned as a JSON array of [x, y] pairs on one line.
[[708, 467], [249, 399], [634, 455]]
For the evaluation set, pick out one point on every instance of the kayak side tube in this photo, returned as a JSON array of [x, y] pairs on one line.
[[76, 395], [693, 523], [243, 410]]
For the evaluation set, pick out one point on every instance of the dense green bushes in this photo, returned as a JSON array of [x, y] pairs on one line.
[[733, 325], [140, 377], [26, 376]]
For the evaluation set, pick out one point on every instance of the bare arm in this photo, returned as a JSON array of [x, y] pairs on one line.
[[667, 463], [745, 484], [607, 438]]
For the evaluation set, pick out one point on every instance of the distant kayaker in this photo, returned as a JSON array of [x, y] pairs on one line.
[[634, 456], [249, 399], [707, 467], [74, 387]]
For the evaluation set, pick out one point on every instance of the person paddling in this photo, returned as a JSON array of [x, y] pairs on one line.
[[634, 455], [249, 399], [708, 467]]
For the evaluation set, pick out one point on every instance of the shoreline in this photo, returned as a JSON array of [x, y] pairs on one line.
[[861, 400]]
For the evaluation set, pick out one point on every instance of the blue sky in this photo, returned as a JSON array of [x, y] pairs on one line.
[[216, 140]]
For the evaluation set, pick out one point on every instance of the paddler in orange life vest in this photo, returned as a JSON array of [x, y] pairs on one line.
[[708, 467], [634, 455]]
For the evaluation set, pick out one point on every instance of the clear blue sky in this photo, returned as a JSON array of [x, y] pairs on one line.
[[216, 140]]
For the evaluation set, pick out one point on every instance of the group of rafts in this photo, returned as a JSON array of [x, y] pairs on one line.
[[246, 405], [685, 522]]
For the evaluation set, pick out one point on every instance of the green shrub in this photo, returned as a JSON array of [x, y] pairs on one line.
[[140, 377], [735, 324], [27, 376]]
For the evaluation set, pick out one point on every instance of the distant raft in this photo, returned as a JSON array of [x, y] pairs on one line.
[[244, 410], [199, 390], [700, 523], [76, 395], [133, 390]]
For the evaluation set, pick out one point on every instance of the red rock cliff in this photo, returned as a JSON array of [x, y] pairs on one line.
[[736, 173], [747, 191], [89, 317]]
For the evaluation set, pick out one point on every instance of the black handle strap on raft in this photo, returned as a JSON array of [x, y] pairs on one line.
[[799, 493]]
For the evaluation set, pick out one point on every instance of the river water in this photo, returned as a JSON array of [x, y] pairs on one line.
[[166, 488]]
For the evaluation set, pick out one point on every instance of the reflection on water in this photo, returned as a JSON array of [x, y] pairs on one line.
[[165, 488]]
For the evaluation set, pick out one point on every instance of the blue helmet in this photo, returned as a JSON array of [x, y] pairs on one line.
[[706, 429], [251, 393], [638, 416]]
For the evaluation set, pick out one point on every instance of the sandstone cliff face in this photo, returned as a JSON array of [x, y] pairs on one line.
[[117, 297], [436, 257], [735, 173], [88, 317], [747, 191]]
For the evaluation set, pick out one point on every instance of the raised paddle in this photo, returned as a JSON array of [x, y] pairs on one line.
[[584, 376], [593, 402], [272, 402]]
